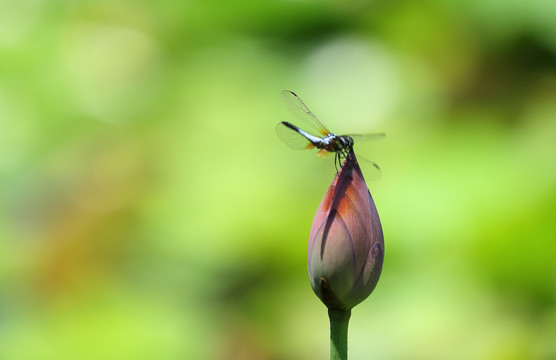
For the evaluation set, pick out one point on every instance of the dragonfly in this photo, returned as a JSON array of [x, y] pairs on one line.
[[327, 142]]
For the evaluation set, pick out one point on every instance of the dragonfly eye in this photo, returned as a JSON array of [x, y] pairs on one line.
[[347, 141]]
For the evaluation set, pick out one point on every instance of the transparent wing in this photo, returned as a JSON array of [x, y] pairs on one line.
[[370, 169], [299, 109], [292, 138], [366, 137]]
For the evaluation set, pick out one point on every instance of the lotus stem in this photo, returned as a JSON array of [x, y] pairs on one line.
[[339, 320]]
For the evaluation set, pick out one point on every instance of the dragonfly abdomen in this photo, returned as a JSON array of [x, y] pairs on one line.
[[328, 143], [314, 141]]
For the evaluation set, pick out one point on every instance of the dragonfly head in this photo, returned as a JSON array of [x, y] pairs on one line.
[[347, 142]]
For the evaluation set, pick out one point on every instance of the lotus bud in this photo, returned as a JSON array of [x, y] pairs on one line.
[[346, 244]]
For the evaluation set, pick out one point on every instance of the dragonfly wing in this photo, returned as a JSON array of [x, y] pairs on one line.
[[299, 109], [292, 136], [370, 169], [373, 171], [367, 137]]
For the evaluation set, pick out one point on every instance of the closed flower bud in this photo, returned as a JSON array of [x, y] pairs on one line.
[[346, 244]]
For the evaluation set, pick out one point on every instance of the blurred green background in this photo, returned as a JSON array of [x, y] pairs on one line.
[[149, 211]]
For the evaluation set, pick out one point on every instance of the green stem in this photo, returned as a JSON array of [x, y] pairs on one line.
[[339, 320]]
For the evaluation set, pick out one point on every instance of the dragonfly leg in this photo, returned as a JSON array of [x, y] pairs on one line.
[[339, 159], [341, 156]]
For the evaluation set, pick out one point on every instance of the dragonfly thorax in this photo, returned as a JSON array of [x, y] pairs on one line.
[[334, 143]]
